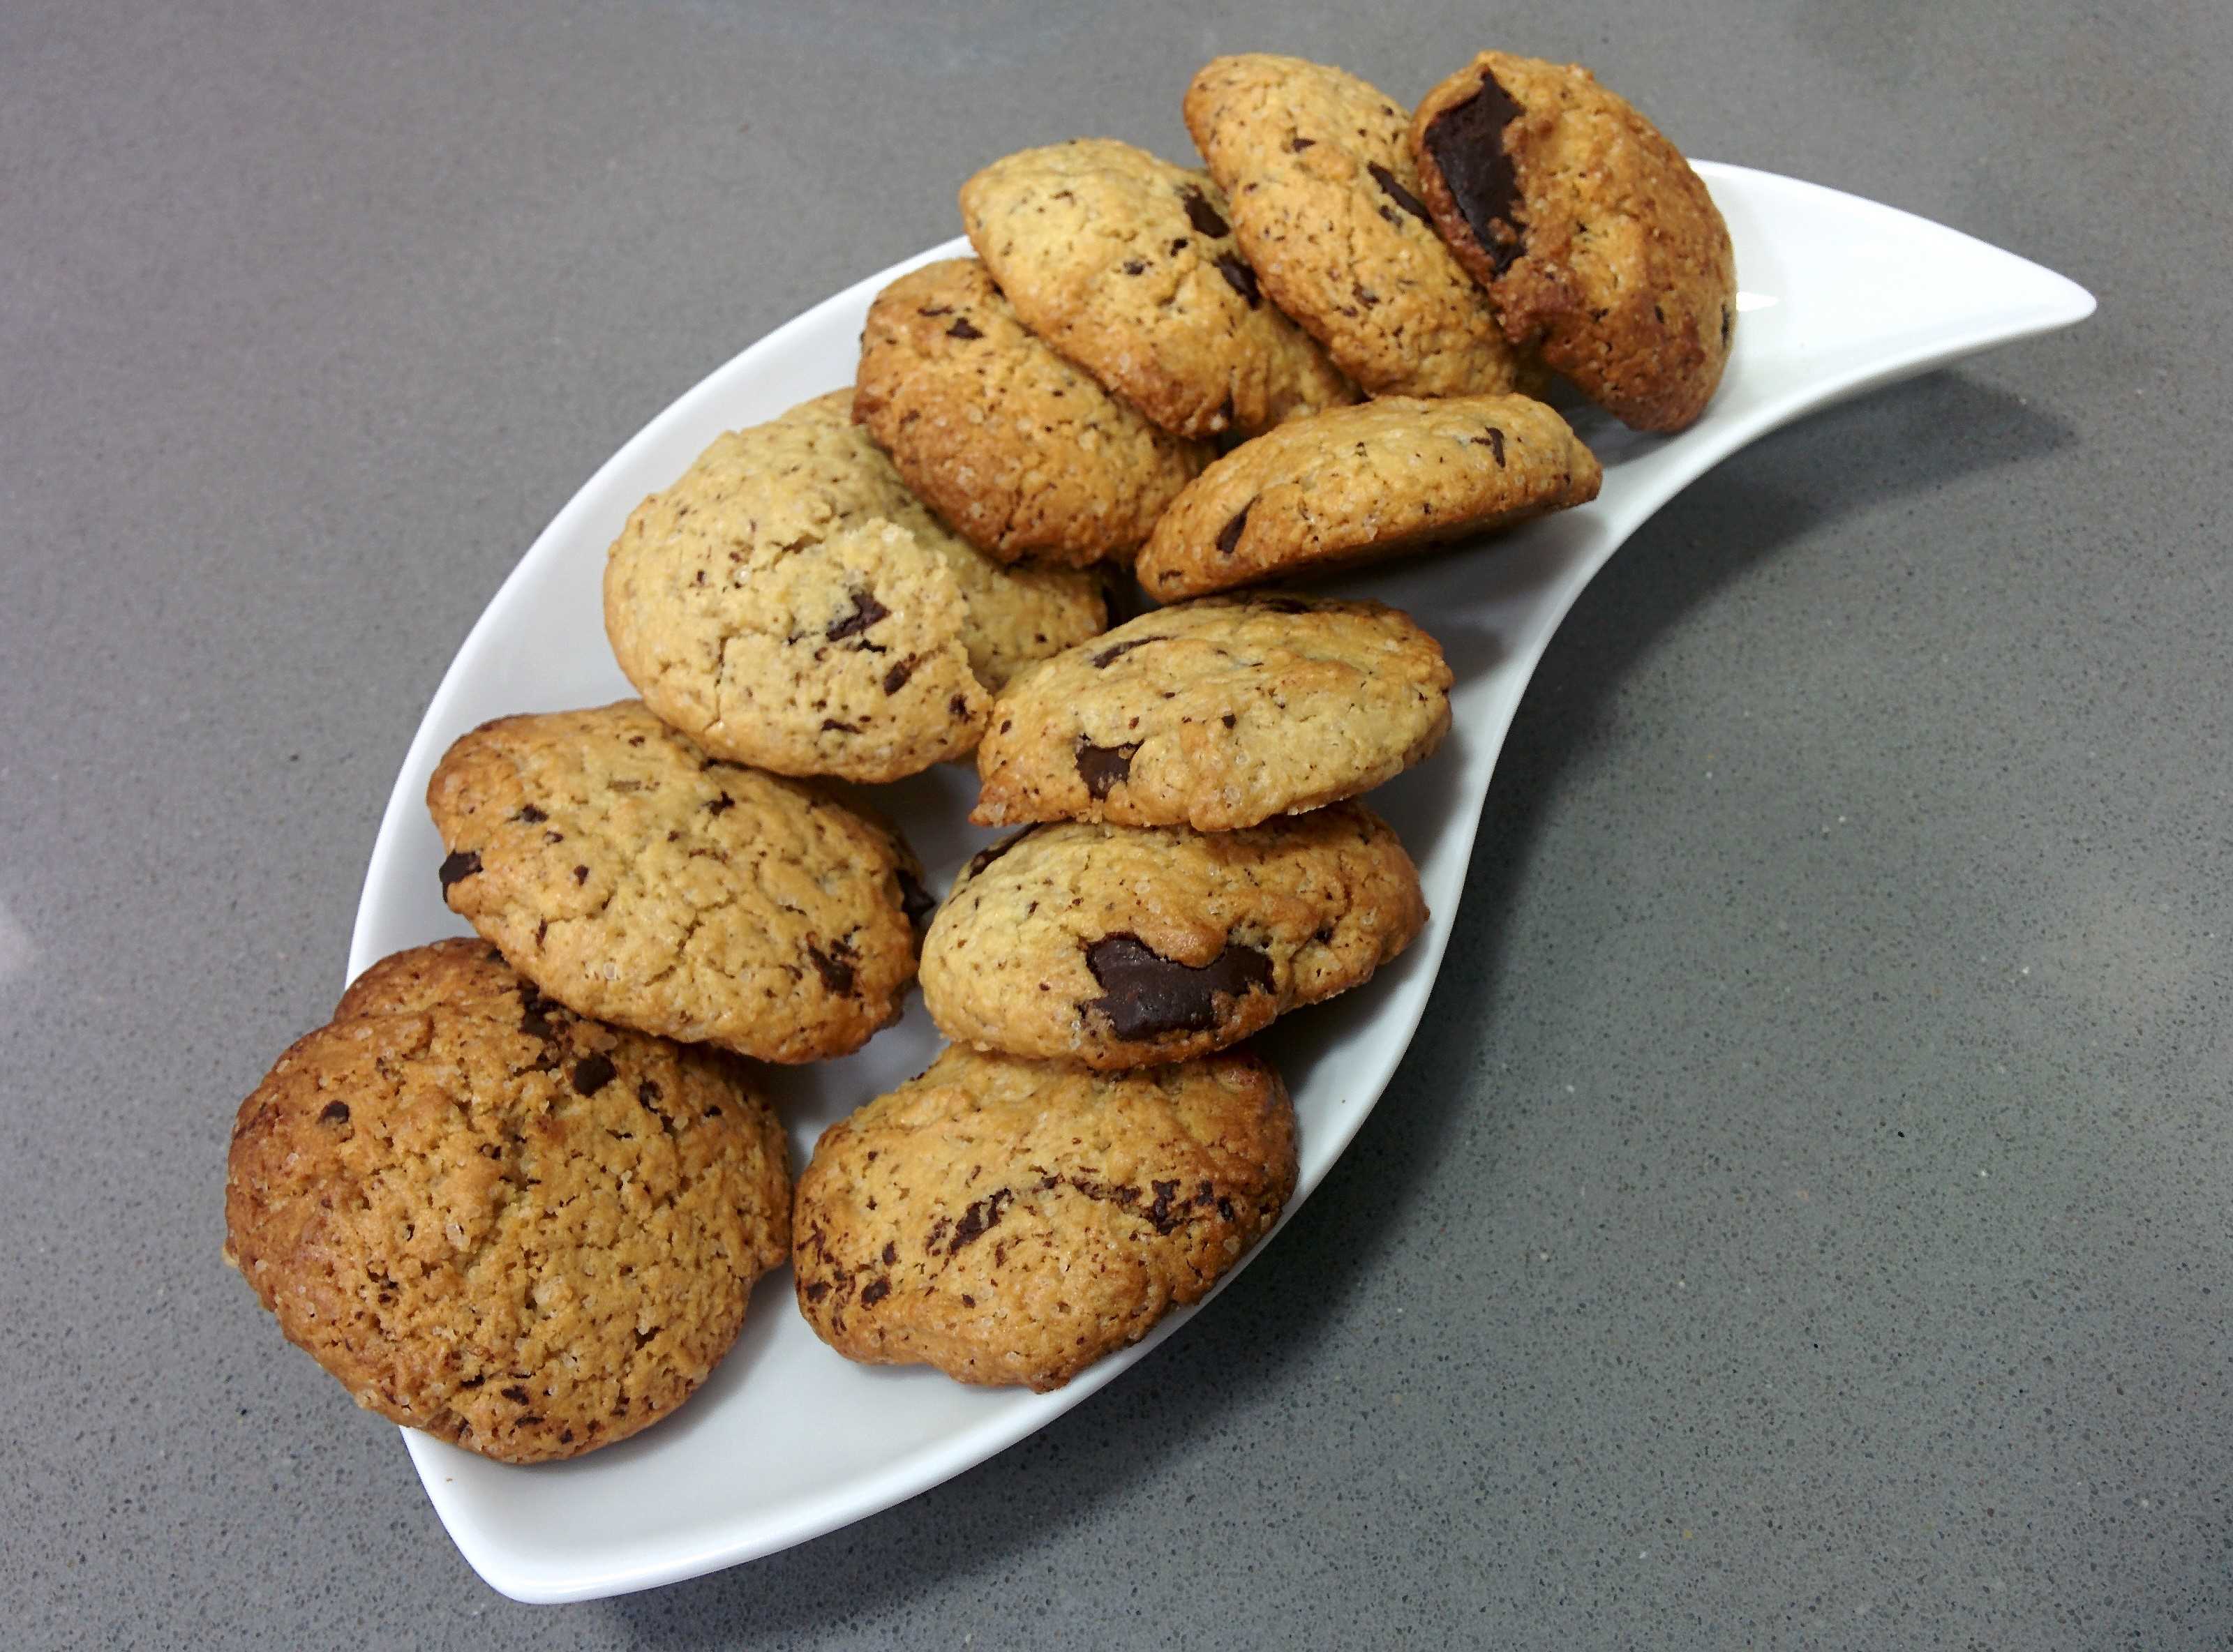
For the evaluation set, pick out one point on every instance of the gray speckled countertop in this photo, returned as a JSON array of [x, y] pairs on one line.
[[1803, 1217]]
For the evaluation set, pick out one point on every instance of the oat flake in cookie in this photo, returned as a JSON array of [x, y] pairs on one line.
[[1026, 456], [1595, 238], [789, 604], [1012, 1222], [1359, 485], [521, 1231], [1326, 206], [634, 878], [1216, 714], [1128, 945], [1127, 264]]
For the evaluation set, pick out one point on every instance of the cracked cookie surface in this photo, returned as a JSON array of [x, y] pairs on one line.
[[523, 1232], [1326, 206], [636, 879], [1130, 945], [1012, 1222], [789, 604], [1360, 483], [1216, 714], [1025, 455], [1126, 264], [1597, 243]]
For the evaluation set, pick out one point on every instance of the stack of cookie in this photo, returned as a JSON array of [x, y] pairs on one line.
[[518, 1191]]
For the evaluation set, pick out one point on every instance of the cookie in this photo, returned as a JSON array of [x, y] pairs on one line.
[[634, 879], [1023, 455], [788, 603], [1597, 243], [1126, 264], [1216, 714], [1129, 946], [521, 1231], [1325, 207], [1359, 484], [1012, 1222]]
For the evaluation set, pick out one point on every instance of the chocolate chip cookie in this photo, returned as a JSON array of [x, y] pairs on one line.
[[1127, 264], [1216, 714], [1326, 209], [1129, 946], [634, 878], [525, 1232], [1012, 1222], [1597, 243], [1357, 485], [1023, 455], [789, 604]]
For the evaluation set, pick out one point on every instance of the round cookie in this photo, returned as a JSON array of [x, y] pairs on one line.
[[1130, 945], [1326, 209], [1012, 1222], [1026, 456], [521, 1231], [1360, 483], [788, 603], [1126, 264], [634, 879], [1597, 243], [1216, 714]]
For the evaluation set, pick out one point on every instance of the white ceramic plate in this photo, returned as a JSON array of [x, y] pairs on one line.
[[788, 1440]]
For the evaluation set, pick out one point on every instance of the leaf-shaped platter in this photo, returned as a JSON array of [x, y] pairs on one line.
[[787, 1441]]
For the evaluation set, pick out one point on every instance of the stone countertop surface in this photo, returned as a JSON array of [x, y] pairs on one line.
[[1802, 1219]]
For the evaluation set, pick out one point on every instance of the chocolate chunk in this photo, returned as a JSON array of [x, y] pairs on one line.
[[831, 725], [875, 1291], [722, 805], [1228, 719], [1135, 266], [958, 706], [530, 814], [1493, 439], [985, 857], [896, 678], [915, 901], [1147, 995], [516, 1394], [581, 874], [980, 1218], [591, 1074], [1103, 766], [836, 971], [818, 1290], [1297, 145], [935, 309], [891, 1254], [962, 329], [1229, 534], [535, 1013], [1160, 1212], [1202, 215], [463, 864], [1466, 142], [335, 1113], [1117, 651], [1240, 277], [866, 612], [1393, 187]]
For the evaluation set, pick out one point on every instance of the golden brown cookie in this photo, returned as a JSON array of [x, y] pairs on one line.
[[636, 879], [1012, 1222], [1026, 456], [1216, 714], [1126, 264], [1359, 484], [1325, 207], [789, 604], [1596, 240], [1129, 946], [523, 1232]]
